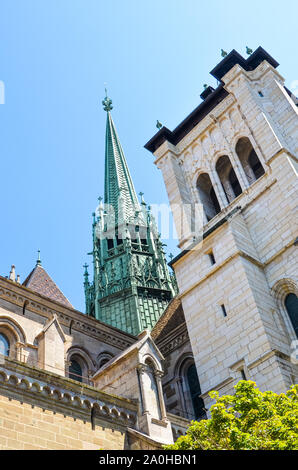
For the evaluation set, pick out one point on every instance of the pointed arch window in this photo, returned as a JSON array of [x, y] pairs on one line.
[[291, 304]]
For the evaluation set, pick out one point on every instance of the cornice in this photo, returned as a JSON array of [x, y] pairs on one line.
[[63, 394], [18, 295], [174, 340]]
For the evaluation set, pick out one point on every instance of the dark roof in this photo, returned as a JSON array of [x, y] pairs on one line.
[[251, 63], [189, 122], [39, 281], [172, 317], [207, 92], [212, 99]]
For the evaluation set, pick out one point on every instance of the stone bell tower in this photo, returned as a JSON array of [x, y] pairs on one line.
[[236, 156], [131, 283]]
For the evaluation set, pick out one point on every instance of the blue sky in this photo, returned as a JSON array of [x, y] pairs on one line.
[[55, 56]]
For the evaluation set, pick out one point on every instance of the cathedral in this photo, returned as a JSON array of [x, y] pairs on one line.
[[137, 367]]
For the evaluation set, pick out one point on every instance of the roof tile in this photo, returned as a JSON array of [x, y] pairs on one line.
[[39, 281]]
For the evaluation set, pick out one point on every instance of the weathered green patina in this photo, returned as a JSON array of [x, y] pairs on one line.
[[131, 284]]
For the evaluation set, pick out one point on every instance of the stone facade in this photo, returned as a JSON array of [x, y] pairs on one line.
[[39, 410], [45, 405], [171, 337], [235, 156], [71, 381]]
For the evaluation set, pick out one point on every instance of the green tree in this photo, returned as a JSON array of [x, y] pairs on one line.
[[247, 420]]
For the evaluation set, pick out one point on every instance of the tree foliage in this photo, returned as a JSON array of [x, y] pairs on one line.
[[248, 420]]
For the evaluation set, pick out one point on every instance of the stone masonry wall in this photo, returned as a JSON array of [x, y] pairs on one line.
[[253, 249], [26, 426]]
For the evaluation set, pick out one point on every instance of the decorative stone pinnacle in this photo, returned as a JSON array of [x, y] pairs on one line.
[[86, 269], [107, 103], [12, 274]]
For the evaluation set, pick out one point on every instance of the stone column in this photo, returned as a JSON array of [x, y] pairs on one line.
[[158, 376], [220, 194], [141, 370], [238, 168], [18, 352]]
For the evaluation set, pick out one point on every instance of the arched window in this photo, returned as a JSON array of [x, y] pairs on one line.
[[228, 178], [4, 345], [291, 304], [103, 362], [11, 336], [189, 389], [250, 162], [81, 364], [207, 196], [75, 371], [195, 392], [255, 164], [103, 358], [234, 183]]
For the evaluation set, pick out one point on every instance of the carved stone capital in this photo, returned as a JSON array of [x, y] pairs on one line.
[[159, 374]]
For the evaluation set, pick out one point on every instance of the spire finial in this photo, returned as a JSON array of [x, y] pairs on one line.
[[107, 102], [86, 269], [38, 261], [142, 198]]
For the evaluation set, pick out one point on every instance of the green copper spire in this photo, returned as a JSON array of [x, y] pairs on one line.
[[131, 283], [119, 189]]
